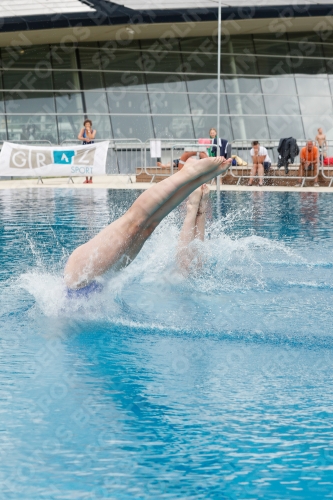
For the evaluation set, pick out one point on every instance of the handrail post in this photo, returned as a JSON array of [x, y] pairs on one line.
[[218, 179]]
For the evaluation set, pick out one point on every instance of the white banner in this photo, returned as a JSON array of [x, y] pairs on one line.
[[155, 149], [18, 160]]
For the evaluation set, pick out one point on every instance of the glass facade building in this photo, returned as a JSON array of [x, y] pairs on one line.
[[271, 87]]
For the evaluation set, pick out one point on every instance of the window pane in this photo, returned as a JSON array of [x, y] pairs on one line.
[[313, 86], [242, 85], [30, 102], [302, 65], [69, 126], [63, 58], [312, 123], [206, 104], [66, 80], [69, 103], [307, 46], [65, 75], [138, 127], [249, 127], [203, 124], [274, 65], [328, 50], [172, 44], [3, 129], [156, 61], [124, 60], [202, 84], [123, 81], [92, 80], [37, 57], [102, 125], [239, 64], [96, 102], [250, 104], [271, 47], [329, 65], [27, 128], [313, 37], [315, 105], [282, 105], [123, 42], [331, 83], [2, 102], [285, 126], [27, 80], [162, 103], [241, 44], [199, 62], [167, 127], [198, 44], [128, 102], [278, 85], [166, 83], [90, 57]]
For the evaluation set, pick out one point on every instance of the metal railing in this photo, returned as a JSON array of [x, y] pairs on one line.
[[167, 145], [170, 150], [131, 157], [324, 152], [241, 153]]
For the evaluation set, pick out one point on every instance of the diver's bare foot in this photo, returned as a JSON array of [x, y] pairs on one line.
[[199, 167], [219, 170], [223, 167], [159, 164], [194, 200]]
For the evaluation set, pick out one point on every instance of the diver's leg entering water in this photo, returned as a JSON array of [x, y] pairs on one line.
[[193, 228], [114, 245]]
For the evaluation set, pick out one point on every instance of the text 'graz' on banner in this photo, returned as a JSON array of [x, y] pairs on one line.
[[18, 160]]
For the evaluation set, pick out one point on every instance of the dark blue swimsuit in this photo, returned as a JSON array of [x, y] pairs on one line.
[[86, 291], [84, 135]]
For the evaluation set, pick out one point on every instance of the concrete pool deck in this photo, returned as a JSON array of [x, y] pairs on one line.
[[123, 182]]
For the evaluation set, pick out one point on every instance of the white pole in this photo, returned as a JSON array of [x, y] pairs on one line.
[[218, 180]]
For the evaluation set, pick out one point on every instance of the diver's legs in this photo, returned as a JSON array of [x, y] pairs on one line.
[[114, 242], [200, 222], [187, 233]]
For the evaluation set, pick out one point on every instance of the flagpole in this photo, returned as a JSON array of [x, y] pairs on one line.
[[218, 180]]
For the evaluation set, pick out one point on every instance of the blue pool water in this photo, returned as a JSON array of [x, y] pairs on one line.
[[215, 387]]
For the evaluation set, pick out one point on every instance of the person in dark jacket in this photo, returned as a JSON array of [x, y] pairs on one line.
[[223, 143], [288, 150]]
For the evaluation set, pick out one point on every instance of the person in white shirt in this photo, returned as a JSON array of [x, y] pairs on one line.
[[261, 162]]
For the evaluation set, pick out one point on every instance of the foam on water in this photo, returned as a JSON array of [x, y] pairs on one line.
[[248, 285]]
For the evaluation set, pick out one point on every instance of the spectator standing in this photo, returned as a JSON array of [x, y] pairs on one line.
[[309, 161], [322, 144], [261, 162], [87, 136]]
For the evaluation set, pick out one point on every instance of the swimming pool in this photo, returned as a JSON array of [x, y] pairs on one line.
[[219, 386]]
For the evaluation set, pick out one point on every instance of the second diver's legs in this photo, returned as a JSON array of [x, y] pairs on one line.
[[193, 228]]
